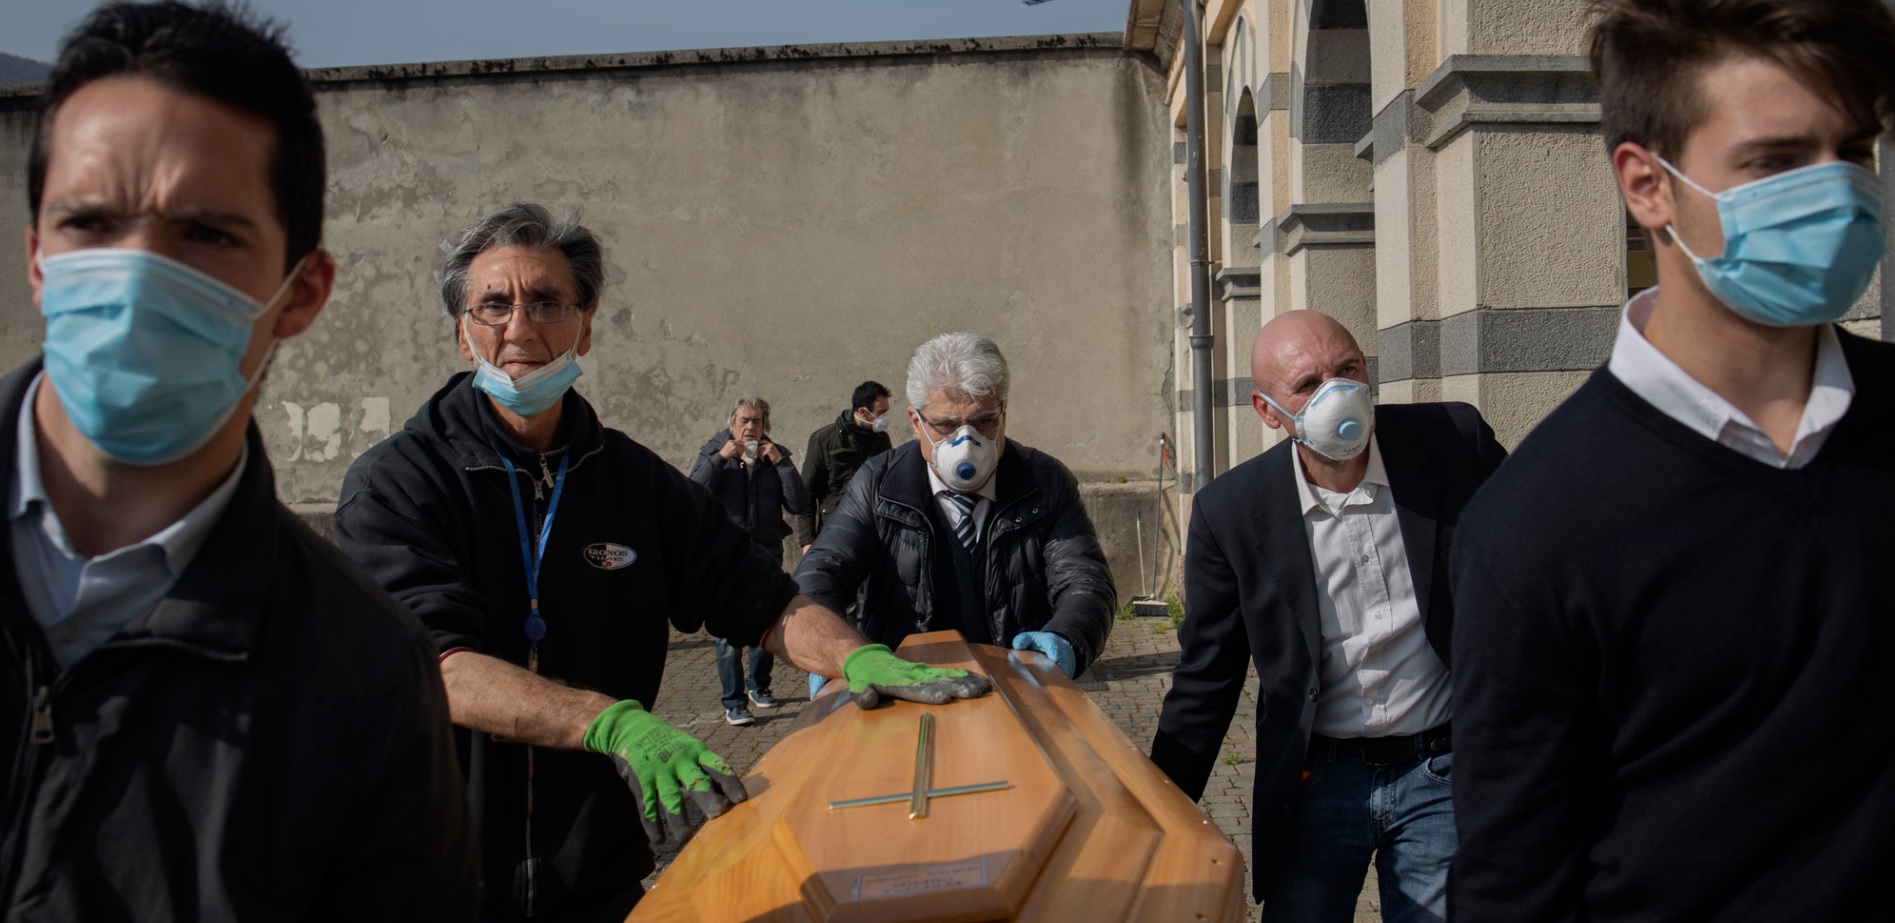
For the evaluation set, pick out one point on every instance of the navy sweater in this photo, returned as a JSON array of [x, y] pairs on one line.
[[1674, 670]]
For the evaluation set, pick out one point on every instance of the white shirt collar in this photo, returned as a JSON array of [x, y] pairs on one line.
[[179, 541], [1375, 478], [1652, 375]]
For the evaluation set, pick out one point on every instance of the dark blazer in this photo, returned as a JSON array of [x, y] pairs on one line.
[[1250, 591]]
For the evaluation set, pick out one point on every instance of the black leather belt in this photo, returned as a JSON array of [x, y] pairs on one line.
[[1384, 751]]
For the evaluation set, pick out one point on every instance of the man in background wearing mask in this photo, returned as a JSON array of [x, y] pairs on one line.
[[1672, 665], [835, 453], [965, 529], [213, 714], [1325, 560], [756, 481], [551, 556]]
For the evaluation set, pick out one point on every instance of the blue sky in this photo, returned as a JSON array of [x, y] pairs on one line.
[[330, 33]]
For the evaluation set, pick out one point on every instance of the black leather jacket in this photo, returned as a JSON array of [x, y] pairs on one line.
[[1043, 572]]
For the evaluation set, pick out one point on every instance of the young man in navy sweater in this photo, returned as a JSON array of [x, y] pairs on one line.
[[1672, 659]]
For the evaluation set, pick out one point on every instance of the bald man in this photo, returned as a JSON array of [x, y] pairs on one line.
[[1324, 561]]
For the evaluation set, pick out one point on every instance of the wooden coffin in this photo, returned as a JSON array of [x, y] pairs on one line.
[[1085, 829]]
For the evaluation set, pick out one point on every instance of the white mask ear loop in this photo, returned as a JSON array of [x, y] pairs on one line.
[[468, 333], [286, 288], [1296, 435], [1672, 228]]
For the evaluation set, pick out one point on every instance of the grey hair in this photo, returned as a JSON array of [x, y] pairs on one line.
[[524, 224], [754, 403], [964, 363]]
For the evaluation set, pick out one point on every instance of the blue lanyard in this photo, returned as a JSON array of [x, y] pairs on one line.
[[535, 626]]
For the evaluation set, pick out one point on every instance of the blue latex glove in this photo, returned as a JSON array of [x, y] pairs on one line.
[[1052, 645], [816, 682]]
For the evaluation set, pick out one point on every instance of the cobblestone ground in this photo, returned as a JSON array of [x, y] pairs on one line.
[[1129, 682]]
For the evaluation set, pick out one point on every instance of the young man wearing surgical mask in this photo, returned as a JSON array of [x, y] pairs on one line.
[[1675, 611], [964, 528], [214, 714], [551, 557], [1323, 560]]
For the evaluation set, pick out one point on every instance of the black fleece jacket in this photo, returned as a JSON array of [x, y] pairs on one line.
[[635, 549]]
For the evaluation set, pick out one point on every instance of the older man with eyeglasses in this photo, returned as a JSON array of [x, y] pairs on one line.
[[550, 557], [965, 529]]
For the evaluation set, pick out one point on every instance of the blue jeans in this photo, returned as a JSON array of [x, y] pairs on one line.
[[730, 671], [1347, 812]]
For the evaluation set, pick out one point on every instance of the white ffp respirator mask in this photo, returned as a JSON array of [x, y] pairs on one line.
[[1336, 422], [966, 459]]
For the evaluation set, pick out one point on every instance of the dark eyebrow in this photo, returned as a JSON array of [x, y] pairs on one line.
[[216, 218], [1775, 145], [74, 207]]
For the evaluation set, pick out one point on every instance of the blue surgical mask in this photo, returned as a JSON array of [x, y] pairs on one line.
[[1799, 247], [145, 352], [1336, 421], [536, 391]]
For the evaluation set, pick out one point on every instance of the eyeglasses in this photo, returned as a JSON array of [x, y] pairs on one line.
[[494, 314], [987, 424]]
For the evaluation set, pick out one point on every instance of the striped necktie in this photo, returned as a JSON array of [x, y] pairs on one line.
[[964, 529]]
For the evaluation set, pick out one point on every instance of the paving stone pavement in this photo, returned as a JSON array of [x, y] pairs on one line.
[[1128, 682]]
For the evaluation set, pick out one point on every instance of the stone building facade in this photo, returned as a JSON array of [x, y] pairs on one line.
[[1429, 172]]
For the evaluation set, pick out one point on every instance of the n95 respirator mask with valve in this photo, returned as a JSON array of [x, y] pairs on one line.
[[1336, 421], [966, 459]]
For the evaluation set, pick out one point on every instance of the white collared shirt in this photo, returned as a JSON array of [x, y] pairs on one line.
[[80, 601], [952, 511], [1638, 365], [1379, 676]]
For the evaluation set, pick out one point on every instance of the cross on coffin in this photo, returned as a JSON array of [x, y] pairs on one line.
[[1086, 829], [924, 772]]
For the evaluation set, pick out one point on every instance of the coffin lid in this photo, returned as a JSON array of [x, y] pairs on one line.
[[1087, 828]]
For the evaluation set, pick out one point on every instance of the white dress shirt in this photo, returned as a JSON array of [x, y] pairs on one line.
[[1380, 677], [952, 511], [81, 601], [1638, 365]]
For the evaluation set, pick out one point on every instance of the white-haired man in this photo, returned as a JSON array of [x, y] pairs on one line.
[[963, 529]]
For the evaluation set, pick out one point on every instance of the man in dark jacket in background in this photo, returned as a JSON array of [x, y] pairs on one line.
[[963, 529], [756, 482], [214, 714], [835, 453]]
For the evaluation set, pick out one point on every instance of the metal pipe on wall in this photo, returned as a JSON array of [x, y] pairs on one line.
[[1197, 249]]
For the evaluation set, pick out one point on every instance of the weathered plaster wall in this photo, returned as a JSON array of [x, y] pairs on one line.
[[788, 221]]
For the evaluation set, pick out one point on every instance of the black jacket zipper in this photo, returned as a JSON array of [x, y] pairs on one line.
[[39, 736]]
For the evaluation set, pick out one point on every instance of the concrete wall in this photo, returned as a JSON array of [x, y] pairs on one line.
[[789, 221]]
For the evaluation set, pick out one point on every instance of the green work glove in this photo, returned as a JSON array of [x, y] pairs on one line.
[[661, 763], [873, 672]]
